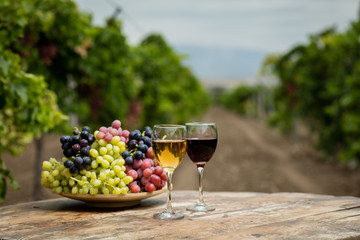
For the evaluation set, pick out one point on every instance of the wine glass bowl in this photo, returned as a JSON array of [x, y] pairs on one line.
[[169, 147], [201, 141]]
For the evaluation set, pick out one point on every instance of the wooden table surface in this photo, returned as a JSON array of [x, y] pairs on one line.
[[237, 216]]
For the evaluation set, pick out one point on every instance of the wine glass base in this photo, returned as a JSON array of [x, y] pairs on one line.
[[169, 215], [200, 208]]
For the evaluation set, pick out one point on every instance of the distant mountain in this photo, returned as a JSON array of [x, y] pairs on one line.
[[222, 63]]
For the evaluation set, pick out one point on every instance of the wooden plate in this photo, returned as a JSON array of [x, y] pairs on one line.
[[113, 200]]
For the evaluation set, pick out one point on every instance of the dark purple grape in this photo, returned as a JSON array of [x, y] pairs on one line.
[[68, 152], [84, 142], [84, 135], [138, 155], [143, 148], [125, 154], [132, 144], [140, 142], [75, 140], [78, 161], [73, 169], [76, 147], [85, 128], [66, 146], [137, 135], [147, 128], [129, 160], [85, 151], [76, 132], [131, 135], [87, 161], [148, 133], [64, 139], [68, 163], [147, 141], [91, 139]]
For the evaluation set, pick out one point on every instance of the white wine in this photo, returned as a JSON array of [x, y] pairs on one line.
[[169, 153]]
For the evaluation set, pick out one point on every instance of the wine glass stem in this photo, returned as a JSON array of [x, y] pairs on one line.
[[201, 174], [169, 186]]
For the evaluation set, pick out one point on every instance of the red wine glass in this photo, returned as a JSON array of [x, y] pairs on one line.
[[201, 142]]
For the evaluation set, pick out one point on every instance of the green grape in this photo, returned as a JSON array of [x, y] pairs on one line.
[[74, 190], [55, 183], [66, 189], [64, 182], [71, 182], [124, 190], [121, 174], [127, 180], [109, 147], [81, 191], [102, 143], [94, 164], [93, 191], [58, 190], [85, 189], [47, 165], [105, 164], [117, 180], [44, 181], [108, 158], [99, 159], [105, 190], [102, 176], [51, 178], [117, 190], [45, 173], [122, 184], [115, 140], [83, 178], [61, 167], [55, 172], [103, 151], [93, 175], [122, 162], [97, 183], [116, 149], [112, 173], [111, 181], [117, 169], [94, 153], [82, 172]]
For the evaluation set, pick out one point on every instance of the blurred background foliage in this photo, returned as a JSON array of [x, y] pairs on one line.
[[55, 63], [318, 83]]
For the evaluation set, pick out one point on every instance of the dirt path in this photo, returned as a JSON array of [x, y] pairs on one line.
[[249, 157]]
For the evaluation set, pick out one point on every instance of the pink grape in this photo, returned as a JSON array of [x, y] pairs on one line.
[[133, 173], [155, 179], [140, 173], [147, 163], [150, 153], [108, 137], [119, 132], [163, 183], [116, 124], [125, 133], [123, 139], [135, 188], [132, 183], [163, 176], [100, 135], [113, 132], [128, 168], [145, 181], [147, 172], [137, 164], [150, 187], [103, 129], [158, 170]]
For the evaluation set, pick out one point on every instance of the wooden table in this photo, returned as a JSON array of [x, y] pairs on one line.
[[237, 216]]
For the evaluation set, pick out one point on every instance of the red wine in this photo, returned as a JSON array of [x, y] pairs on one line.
[[200, 150]]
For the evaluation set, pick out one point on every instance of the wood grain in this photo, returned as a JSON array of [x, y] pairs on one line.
[[237, 216]]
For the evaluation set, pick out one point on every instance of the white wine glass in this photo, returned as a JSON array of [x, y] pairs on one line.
[[201, 142], [169, 146]]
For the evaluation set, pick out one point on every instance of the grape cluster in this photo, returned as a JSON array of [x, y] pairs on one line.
[[112, 161], [140, 164], [77, 148], [99, 180]]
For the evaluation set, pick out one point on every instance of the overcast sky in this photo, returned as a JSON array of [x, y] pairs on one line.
[[267, 25]]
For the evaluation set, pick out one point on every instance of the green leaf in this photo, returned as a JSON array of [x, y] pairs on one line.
[[4, 65]]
